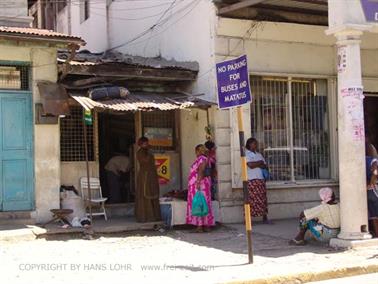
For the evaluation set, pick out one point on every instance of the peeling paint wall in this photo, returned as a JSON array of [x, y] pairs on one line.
[[73, 171]]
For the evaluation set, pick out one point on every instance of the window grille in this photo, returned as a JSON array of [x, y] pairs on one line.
[[159, 127], [14, 77], [72, 137], [290, 121]]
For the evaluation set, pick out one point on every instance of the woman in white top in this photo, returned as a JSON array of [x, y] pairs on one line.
[[323, 221], [256, 182]]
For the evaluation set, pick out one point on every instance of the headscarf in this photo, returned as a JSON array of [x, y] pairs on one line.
[[325, 194], [142, 140], [369, 164], [200, 148]]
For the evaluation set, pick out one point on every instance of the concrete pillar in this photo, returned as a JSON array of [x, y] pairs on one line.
[[353, 202]]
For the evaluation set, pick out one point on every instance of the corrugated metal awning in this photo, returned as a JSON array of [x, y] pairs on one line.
[[143, 101]]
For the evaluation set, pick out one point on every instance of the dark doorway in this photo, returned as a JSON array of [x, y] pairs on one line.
[[116, 137], [371, 117]]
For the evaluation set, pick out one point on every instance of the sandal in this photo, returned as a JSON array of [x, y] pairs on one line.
[[294, 242]]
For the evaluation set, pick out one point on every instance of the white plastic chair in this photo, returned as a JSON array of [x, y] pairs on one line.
[[96, 195]]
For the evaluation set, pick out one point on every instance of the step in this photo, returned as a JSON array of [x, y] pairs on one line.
[[15, 215], [16, 218], [29, 221]]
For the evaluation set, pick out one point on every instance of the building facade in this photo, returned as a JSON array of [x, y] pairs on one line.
[[293, 68], [30, 164]]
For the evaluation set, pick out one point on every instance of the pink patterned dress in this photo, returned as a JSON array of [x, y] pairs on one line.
[[208, 220]]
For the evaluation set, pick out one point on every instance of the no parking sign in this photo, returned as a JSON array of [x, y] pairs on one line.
[[233, 83]]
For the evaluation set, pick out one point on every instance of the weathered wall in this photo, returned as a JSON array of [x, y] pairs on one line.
[[193, 124], [186, 34], [46, 137], [93, 30], [14, 8], [15, 13], [71, 172]]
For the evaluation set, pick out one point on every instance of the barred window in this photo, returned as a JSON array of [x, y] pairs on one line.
[[290, 121], [14, 77], [72, 137]]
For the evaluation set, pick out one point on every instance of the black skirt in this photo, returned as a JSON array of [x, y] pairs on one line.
[[372, 197]]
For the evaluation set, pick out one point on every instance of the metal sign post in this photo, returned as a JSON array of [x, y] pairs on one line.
[[247, 207], [234, 91]]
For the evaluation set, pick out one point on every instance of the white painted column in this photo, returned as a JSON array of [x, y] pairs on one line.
[[353, 202]]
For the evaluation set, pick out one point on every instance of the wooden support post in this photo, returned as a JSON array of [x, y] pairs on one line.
[[87, 165], [247, 208]]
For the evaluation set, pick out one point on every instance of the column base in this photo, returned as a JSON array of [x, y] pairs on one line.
[[350, 244], [354, 236]]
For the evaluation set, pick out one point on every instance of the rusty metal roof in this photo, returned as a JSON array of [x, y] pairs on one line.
[[87, 58], [40, 34], [143, 101]]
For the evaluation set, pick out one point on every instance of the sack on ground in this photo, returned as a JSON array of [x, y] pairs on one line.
[[199, 205]]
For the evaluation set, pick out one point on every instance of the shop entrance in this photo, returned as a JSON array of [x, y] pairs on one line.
[[116, 138], [371, 117]]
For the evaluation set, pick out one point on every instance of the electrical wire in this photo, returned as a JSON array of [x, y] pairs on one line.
[[160, 22], [248, 32], [131, 19], [196, 3]]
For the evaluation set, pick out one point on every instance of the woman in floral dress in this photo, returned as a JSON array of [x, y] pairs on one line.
[[197, 181]]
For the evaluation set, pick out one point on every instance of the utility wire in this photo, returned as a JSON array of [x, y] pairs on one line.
[[248, 33], [160, 22], [196, 2]]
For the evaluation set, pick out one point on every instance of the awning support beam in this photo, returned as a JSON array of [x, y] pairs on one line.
[[238, 6]]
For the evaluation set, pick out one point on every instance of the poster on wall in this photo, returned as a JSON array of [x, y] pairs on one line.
[[233, 83], [352, 98], [157, 136], [341, 59], [162, 163]]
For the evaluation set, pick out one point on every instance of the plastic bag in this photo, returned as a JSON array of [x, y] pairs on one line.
[[265, 173], [199, 205]]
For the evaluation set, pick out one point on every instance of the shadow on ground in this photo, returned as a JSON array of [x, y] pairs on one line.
[[268, 240]]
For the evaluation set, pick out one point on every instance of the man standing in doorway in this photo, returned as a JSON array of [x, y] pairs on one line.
[[115, 167]]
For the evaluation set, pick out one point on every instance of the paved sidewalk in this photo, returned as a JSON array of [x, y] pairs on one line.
[[180, 257]]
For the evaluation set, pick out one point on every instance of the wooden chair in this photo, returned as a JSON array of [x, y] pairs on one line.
[[96, 195]]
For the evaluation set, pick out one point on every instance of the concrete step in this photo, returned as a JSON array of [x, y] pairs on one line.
[[120, 210], [16, 218], [15, 215], [29, 221]]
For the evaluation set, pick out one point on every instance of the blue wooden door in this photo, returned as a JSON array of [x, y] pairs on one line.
[[16, 152]]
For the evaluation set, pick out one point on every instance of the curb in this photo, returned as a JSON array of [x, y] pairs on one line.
[[24, 235], [313, 276]]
